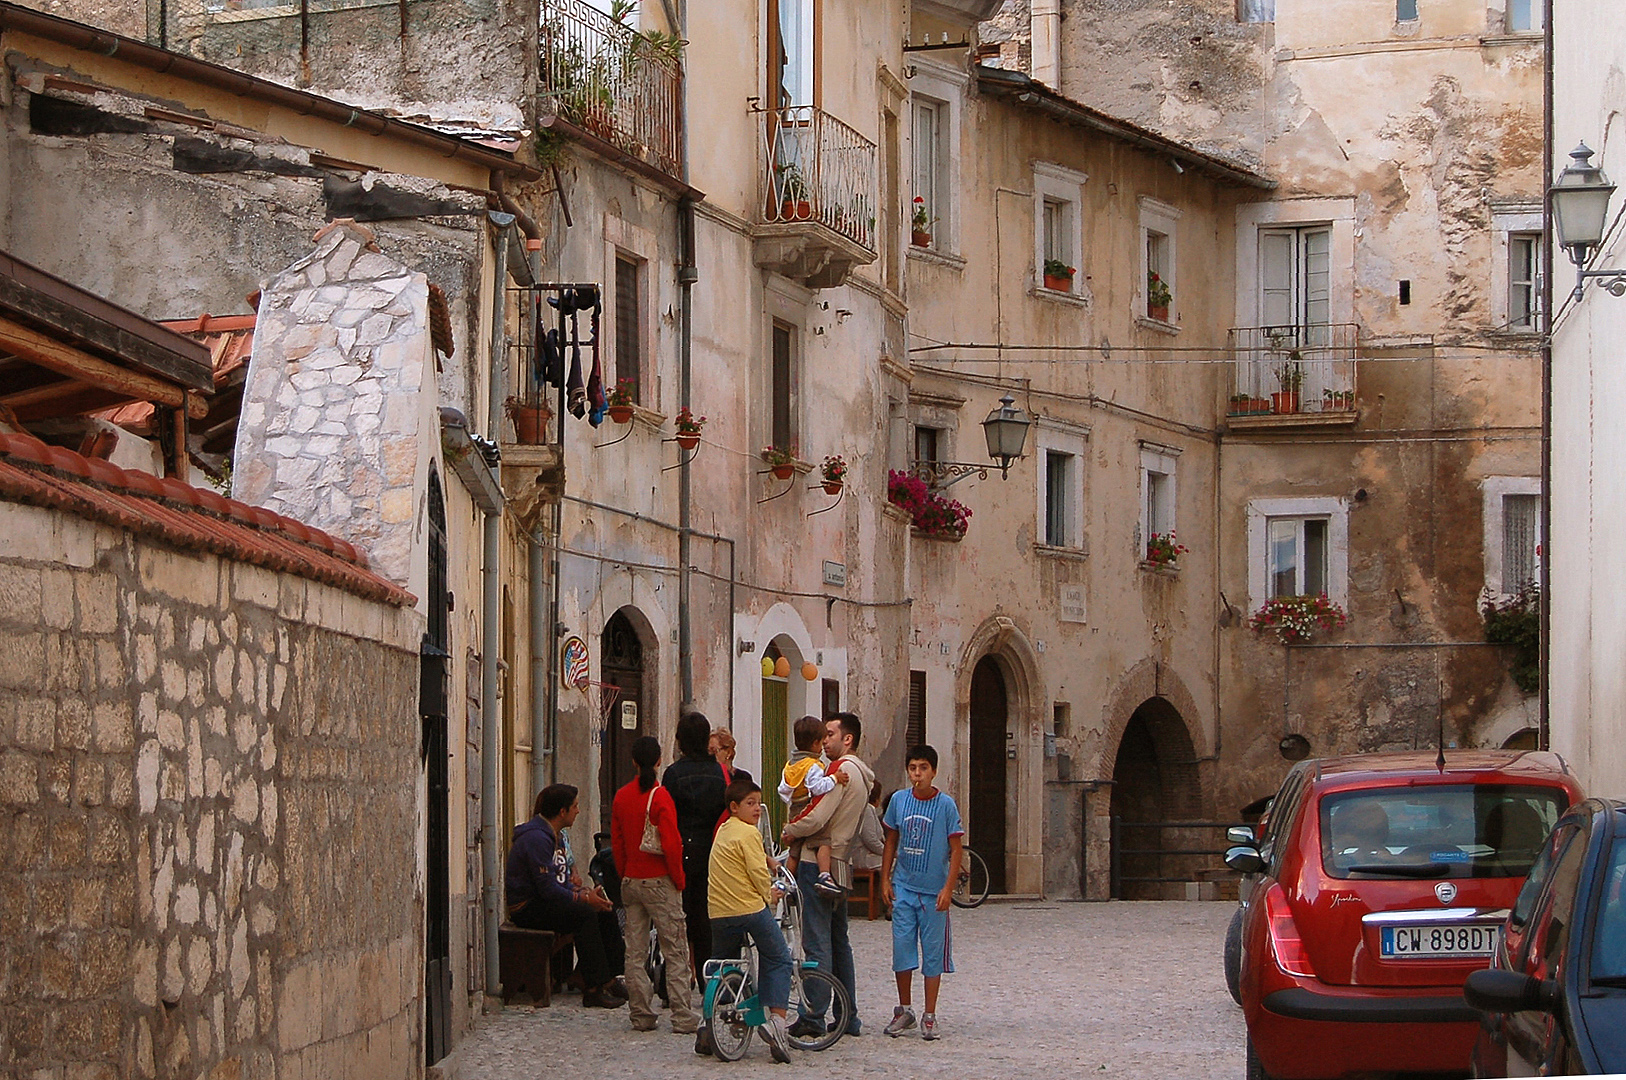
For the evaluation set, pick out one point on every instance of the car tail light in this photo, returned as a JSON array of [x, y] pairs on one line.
[[1285, 943]]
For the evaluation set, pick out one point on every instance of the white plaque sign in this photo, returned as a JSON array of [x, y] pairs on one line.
[[1070, 601]]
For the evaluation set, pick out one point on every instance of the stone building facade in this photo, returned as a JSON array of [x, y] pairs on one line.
[[208, 784]]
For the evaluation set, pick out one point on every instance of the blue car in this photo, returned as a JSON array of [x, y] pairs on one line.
[[1554, 998]]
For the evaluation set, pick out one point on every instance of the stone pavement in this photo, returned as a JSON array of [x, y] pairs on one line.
[[1121, 990]]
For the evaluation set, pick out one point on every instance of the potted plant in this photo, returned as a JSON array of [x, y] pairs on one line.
[[1290, 377], [1337, 400], [530, 420], [781, 461], [1241, 405], [931, 514], [834, 473], [689, 427], [1158, 297], [794, 204], [619, 403], [1058, 276], [1163, 550], [920, 225], [1297, 619]]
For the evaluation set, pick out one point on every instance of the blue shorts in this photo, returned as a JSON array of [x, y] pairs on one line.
[[920, 934]]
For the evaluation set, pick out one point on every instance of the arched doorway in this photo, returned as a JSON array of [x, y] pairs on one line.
[[990, 724], [1155, 785], [621, 664]]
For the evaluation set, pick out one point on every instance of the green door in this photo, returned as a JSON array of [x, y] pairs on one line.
[[775, 747]]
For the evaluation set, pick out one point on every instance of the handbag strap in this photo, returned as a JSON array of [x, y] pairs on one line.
[[650, 803]]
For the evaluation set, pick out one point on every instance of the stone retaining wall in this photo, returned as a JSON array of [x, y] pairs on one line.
[[209, 789]]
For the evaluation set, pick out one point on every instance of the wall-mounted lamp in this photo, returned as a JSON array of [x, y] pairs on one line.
[[747, 646], [1580, 201], [1006, 430]]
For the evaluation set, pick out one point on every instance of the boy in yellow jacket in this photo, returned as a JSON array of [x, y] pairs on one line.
[[739, 900]]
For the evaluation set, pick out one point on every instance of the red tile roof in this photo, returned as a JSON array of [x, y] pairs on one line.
[[184, 516]]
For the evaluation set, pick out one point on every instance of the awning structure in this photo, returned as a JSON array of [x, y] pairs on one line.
[[66, 353]]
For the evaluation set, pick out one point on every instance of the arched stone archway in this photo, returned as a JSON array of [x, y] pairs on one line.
[[1152, 753], [628, 651], [1009, 670]]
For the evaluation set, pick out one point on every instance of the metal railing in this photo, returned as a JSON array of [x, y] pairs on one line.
[[1180, 855], [613, 82], [816, 168], [1315, 363]]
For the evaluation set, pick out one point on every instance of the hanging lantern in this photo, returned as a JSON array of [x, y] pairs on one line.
[[810, 671], [767, 667], [781, 667]]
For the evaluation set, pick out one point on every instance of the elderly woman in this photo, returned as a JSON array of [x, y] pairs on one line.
[[722, 749]]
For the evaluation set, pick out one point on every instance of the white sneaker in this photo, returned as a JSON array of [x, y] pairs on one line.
[[928, 1026], [903, 1019], [778, 1040]]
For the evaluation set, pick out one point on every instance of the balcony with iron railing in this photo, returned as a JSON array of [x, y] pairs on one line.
[[816, 220], [1293, 376], [613, 87]]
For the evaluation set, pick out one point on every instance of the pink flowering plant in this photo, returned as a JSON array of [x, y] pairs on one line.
[[779, 455], [834, 469], [932, 514], [688, 423], [1297, 619], [1162, 549]]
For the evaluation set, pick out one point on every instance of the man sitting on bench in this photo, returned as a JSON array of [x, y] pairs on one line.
[[542, 896]]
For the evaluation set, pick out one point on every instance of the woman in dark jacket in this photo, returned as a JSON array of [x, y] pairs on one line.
[[695, 782]]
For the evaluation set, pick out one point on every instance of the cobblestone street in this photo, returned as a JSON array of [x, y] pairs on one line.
[[1131, 990]]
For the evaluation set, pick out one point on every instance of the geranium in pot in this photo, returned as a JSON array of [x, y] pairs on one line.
[[689, 427], [833, 472], [920, 224], [781, 460], [1058, 276], [620, 401], [1158, 297], [1163, 550], [1294, 620]]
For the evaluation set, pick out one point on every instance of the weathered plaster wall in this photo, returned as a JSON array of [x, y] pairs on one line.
[[208, 785]]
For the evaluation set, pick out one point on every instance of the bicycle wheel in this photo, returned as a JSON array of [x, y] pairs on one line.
[[730, 1034], [972, 888], [840, 1012]]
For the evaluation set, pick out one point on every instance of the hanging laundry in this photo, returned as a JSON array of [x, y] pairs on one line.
[[553, 359], [598, 405], [575, 394]]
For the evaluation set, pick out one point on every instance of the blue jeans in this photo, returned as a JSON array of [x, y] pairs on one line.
[[824, 940], [773, 955]]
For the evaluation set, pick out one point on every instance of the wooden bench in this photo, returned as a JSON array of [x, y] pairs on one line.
[[525, 961], [871, 896]]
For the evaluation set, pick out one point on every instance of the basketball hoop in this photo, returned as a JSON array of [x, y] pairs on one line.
[[605, 694]]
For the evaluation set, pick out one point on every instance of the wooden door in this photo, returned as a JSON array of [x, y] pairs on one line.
[[989, 722], [621, 663], [775, 746]]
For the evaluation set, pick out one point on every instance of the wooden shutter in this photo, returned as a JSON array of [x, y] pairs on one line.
[[628, 358], [914, 732]]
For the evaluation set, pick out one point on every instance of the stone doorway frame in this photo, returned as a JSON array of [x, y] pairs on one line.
[[1025, 701]]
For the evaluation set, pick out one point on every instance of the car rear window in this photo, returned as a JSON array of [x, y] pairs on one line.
[[1437, 831]]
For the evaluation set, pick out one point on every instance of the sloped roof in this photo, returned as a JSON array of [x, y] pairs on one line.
[[183, 516]]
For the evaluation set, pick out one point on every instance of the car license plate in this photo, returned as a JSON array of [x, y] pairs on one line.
[[1467, 939]]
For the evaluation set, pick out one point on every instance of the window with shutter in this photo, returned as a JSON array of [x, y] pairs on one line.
[[1295, 277], [628, 341], [915, 730], [1521, 522], [783, 389]]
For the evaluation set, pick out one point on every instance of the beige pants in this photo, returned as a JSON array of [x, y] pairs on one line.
[[656, 900]]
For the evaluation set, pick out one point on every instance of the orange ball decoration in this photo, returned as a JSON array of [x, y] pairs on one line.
[[810, 671], [781, 667]]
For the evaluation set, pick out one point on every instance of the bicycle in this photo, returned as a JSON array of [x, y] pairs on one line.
[[731, 1007], [972, 887]]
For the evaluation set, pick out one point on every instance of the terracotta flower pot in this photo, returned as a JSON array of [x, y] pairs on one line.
[[621, 414], [1283, 401], [782, 472], [832, 487], [920, 238], [530, 422], [1058, 282], [797, 210], [688, 440], [1160, 312]]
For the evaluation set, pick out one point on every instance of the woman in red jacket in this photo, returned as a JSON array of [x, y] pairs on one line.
[[652, 890]]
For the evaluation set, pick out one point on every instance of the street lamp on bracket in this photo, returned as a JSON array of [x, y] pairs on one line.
[[1580, 207], [1006, 430]]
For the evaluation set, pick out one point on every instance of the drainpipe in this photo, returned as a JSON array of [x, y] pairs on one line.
[[1544, 610], [687, 275], [491, 630]]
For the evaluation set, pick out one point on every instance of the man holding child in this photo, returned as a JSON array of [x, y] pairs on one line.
[[831, 822]]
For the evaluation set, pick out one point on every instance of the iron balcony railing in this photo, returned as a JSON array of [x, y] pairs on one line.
[[1308, 368], [613, 82], [816, 168]]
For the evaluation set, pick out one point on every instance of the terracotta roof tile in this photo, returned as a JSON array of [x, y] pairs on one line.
[[184, 516]]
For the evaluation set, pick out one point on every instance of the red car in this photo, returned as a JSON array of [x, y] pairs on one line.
[[1381, 882]]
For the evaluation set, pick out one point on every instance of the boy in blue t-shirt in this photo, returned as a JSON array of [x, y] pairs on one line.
[[919, 867]]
